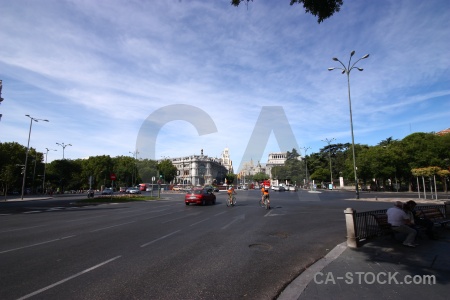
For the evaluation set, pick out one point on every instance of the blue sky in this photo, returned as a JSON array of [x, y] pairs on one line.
[[98, 69]]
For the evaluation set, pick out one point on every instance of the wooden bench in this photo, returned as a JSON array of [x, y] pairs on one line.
[[434, 215], [385, 227]]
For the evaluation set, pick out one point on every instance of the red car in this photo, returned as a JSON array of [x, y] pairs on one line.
[[200, 196]]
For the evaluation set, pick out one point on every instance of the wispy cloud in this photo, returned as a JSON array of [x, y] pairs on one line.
[[98, 69]]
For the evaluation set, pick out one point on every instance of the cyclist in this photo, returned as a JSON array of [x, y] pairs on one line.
[[231, 192], [265, 195]]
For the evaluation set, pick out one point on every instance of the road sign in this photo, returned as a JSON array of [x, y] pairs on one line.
[[112, 176]]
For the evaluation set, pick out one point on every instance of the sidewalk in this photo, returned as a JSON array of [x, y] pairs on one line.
[[379, 269]]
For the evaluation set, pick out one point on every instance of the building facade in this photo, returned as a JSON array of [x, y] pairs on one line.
[[275, 159], [199, 170]]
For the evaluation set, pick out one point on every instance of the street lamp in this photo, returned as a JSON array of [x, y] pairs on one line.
[[45, 166], [63, 146], [306, 165], [346, 70], [135, 153], [329, 156], [28, 149]]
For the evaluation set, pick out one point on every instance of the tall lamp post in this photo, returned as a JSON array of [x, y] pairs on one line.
[[28, 149], [306, 165], [329, 156], [347, 70], [45, 167], [135, 153], [63, 146]]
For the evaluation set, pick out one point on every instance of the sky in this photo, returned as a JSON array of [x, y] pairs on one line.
[[170, 78]]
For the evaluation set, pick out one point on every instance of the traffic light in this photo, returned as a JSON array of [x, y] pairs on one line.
[[23, 170]]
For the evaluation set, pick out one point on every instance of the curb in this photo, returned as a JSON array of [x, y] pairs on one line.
[[298, 285]]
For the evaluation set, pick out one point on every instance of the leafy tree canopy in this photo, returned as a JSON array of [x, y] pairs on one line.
[[322, 9]]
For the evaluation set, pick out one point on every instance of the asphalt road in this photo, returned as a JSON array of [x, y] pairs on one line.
[[167, 250]]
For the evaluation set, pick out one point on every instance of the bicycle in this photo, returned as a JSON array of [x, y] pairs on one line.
[[265, 202], [231, 201]]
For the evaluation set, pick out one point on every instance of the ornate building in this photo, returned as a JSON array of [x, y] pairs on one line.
[[226, 160], [275, 159], [249, 168], [199, 170]]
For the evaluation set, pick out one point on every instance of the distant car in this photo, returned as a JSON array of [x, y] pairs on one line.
[[177, 188], [212, 188], [133, 190], [244, 187], [293, 188], [278, 188], [200, 196], [107, 191], [122, 189]]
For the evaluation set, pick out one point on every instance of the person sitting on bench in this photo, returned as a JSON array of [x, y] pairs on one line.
[[400, 222]]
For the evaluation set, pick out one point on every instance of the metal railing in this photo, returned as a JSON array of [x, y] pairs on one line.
[[362, 225]]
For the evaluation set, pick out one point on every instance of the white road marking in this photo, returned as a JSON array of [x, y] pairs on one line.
[[37, 244], [104, 228], [158, 239], [68, 278], [199, 222]]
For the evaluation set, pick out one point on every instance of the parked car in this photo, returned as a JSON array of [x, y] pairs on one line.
[[200, 196], [107, 191], [133, 190], [122, 189]]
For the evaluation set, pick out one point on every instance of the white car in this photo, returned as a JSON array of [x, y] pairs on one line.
[[133, 190], [293, 188], [278, 188], [107, 191]]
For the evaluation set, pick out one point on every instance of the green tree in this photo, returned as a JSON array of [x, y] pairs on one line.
[[321, 175], [167, 170], [260, 177], [147, 169], [322, 9], [231, 178]]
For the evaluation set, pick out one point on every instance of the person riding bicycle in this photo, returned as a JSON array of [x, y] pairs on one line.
[[265, 194], [231, 192]]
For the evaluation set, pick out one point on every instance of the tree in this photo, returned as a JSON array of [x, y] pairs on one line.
[[230, 178], [322, 9], [321, 174], [167, 170], [260, 176]]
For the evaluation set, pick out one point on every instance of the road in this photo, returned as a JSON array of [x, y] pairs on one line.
[[167, 250]]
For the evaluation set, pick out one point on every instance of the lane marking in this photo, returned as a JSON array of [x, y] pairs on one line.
[[199, 222], [104, 228], [189, 215], [158, 239], [37, 244], [241, 217], [23, 228], [68, 278], [224, 212]]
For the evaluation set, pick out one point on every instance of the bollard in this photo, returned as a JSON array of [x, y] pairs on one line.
[[351, 228]]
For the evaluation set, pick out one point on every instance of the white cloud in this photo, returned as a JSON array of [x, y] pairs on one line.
[[97, 69]]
